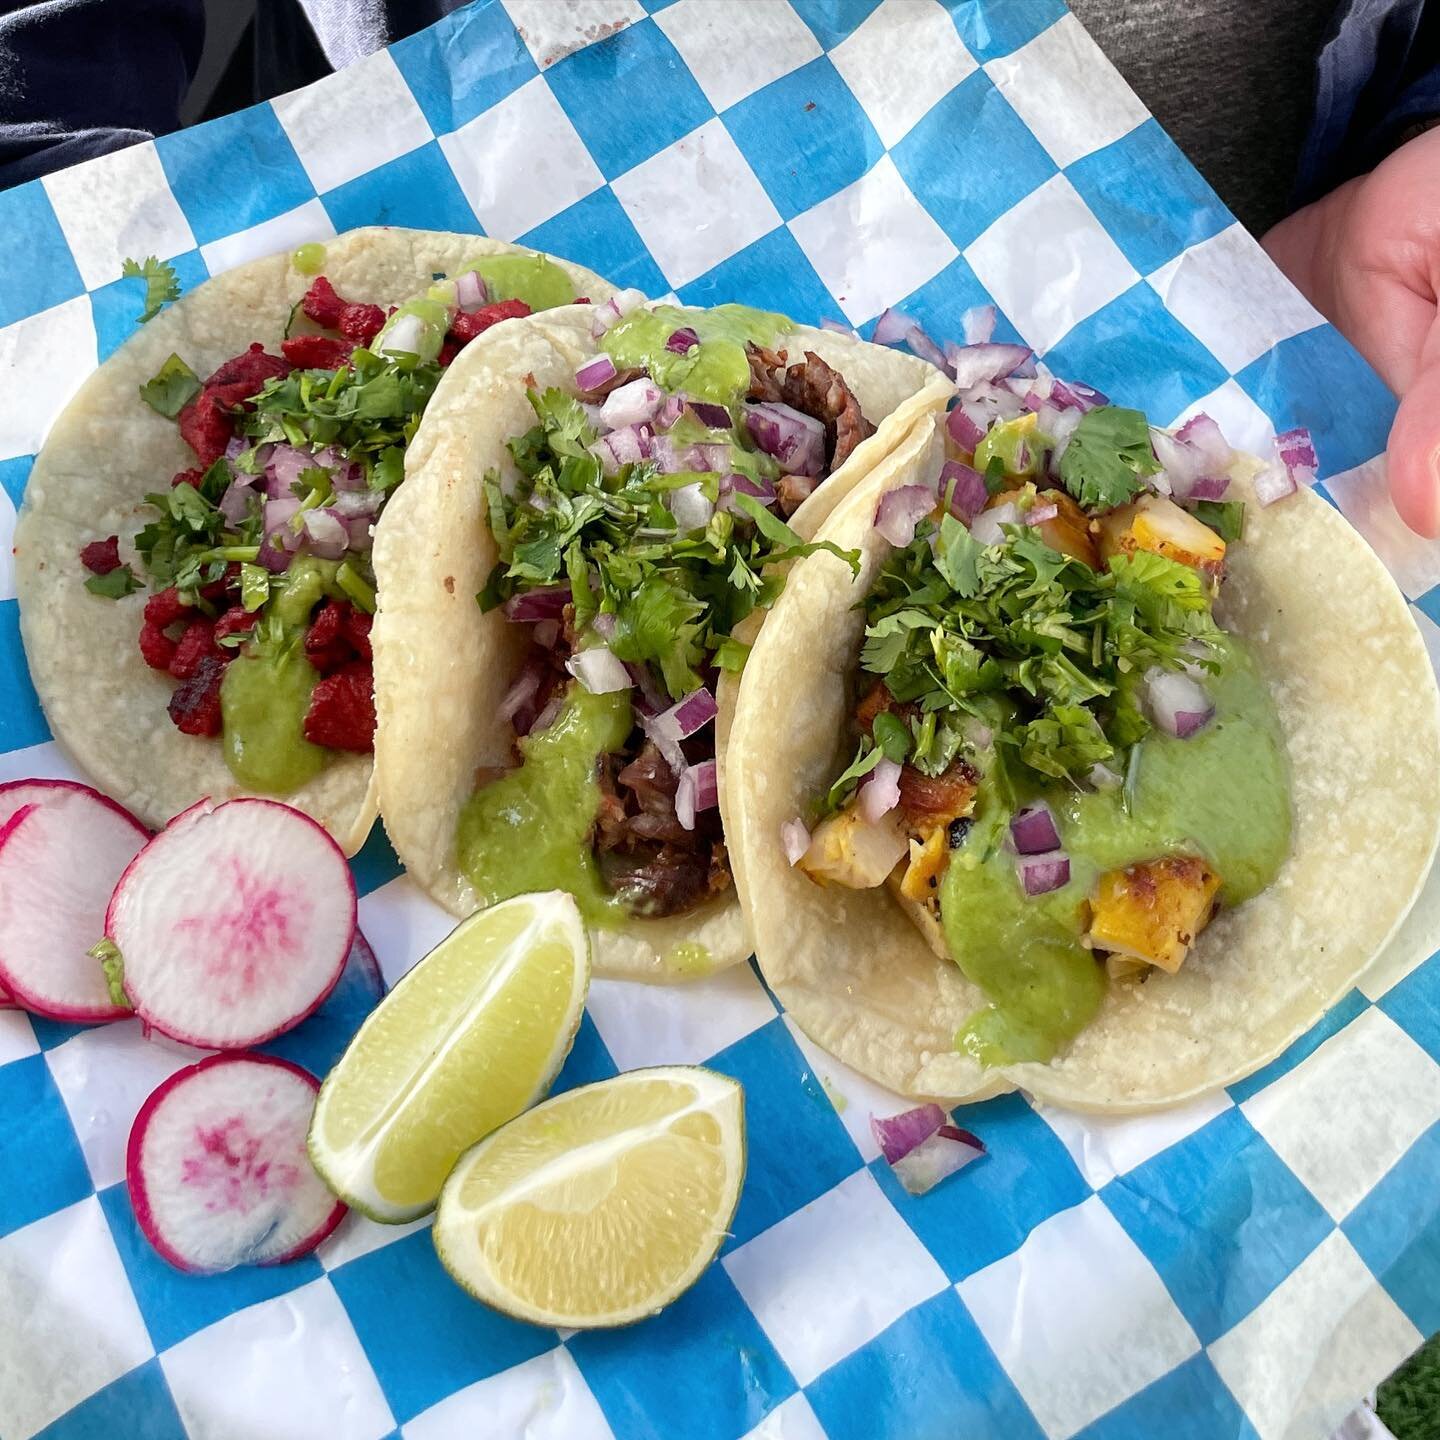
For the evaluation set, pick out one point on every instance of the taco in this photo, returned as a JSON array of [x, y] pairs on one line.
[[192, 555], [616, 491], [1102, 777]]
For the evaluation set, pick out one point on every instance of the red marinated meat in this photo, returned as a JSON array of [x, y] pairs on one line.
[[206, 427], [156, 647], [195, 645], [235, 621], [165, 607], [342, 710], [191, 477], [322, 304], [361, 323], [317, 352], [356, 629], [465, 328], [100, 557], [195, 705]]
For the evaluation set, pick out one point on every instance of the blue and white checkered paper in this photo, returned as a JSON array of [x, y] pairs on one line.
[[1246, 1266]]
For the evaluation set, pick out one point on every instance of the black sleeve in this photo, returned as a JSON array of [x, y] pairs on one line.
[[79, 78]]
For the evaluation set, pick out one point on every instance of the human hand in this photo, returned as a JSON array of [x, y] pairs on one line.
[[1367, 256]]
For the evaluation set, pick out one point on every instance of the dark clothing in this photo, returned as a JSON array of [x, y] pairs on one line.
[[1276, 101]]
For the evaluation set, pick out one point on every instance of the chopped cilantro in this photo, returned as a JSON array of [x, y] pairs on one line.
[[254, 586], [161, 283], [1107, 457], [1225, 517], [120, 581], [172, 387]]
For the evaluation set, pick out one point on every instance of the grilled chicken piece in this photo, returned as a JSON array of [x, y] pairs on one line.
[[1068, 532], [1157, 523], [928, 859], [847, 850], [1152, 911]]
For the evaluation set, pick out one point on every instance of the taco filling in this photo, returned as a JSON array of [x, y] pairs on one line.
[[1064, 762], [643, 529], [258, 557]]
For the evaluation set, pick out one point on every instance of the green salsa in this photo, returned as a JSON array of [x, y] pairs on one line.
[[434, 317], [536, 280], [530, 829], [309, 259], [1223, 794], [716, 369], [266, 692]]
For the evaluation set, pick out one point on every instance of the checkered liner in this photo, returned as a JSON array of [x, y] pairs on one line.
[[1245, 1266]]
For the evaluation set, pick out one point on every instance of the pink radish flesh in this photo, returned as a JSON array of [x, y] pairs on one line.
[[61, 852], [217, 1167], [233, 923]]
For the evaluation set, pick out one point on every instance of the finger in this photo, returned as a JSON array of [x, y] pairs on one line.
[[1414, 448]]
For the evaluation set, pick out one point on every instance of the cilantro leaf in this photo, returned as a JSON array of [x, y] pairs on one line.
[[1225, 517], [120, 581], [1107, 457], [172, 387], [161, 284], [848, 780], [892, 736]]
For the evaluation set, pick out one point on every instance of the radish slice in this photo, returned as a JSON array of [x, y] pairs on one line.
[[217, 1167], [233, 923], [52, 902]]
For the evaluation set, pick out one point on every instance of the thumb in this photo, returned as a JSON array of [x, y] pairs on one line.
[[1414, 446]]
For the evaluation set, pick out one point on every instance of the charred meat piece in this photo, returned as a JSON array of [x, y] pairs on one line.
[[815, 389], [937, 799], [619, 378], [657, 879]]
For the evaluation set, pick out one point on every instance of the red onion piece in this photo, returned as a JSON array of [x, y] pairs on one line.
[[234, 504], [283, 471], [236, 446], [362, 533], [900, 510], [986, 525], [949, 1149], [470, 291], [697, 789], [1071, 395], [546, 603], [594, 373], [679, 722], [1296, 447], [1273, 482], [632, 404], [964, 429], [626, 446], [879, 792], [672, 407], [682, 341], [1209, 487], [403, 338], [991, 361], [712, 417], [273, 556], [1177, 704], [893, 327], [1033, 830], [898, 1135], [1039, 514], [608, 312], [1102, 777], [978, 324], [329, 537], [796, 440], [691, 507], [598, 670], [653, 698], [794, 839], [546, 632], [970, 494], [1040, 874], [922, 345], [352, 503], [522, 692], [279, 513]]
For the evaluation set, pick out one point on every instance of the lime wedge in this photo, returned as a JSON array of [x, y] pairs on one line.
[[472, 1036], [603, 1204]]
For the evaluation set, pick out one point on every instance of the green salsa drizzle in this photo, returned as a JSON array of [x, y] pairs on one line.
[[535, 279], [529, 830], [717, 369], [309, 259]]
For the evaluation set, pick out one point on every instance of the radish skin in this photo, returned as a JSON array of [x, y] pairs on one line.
[[234, 923], [62, 847], [217, 1168]]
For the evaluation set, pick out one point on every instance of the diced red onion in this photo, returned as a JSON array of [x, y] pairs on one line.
[[736, 484], [712, 417], [697, 789], [608, 312], [594, 373], [898, 1135], [546, 718], [712, 456], [470, 291], [592, 418], [682, 341], [949, 1149], [351, 503], [278, 514], [838, 327], [327, 532], [964, 429], [794, 839], [986, 525], [1176, 702], [796, 440], [1205, 438], [348, 478], [691, 507], [1296, 447], [1071, 395], [1196, 455], [1040, 874], [1039, 514], [236, 446], [900, 510], [978, 324], [1209, 487], [1033, 830], [546, 632], [922, 345], [652, 698], [234, 504], [523, 691], [990, 361], [1102, 777], [632, 404], [598, 670], [1273, 482], [1027, 369], [273, 555], [404, 336], [283, 471], [970, 494], [893, 327], [672, 407], [679, 722], [547, 603], [361, 532], [626, 446], [879, 792]]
